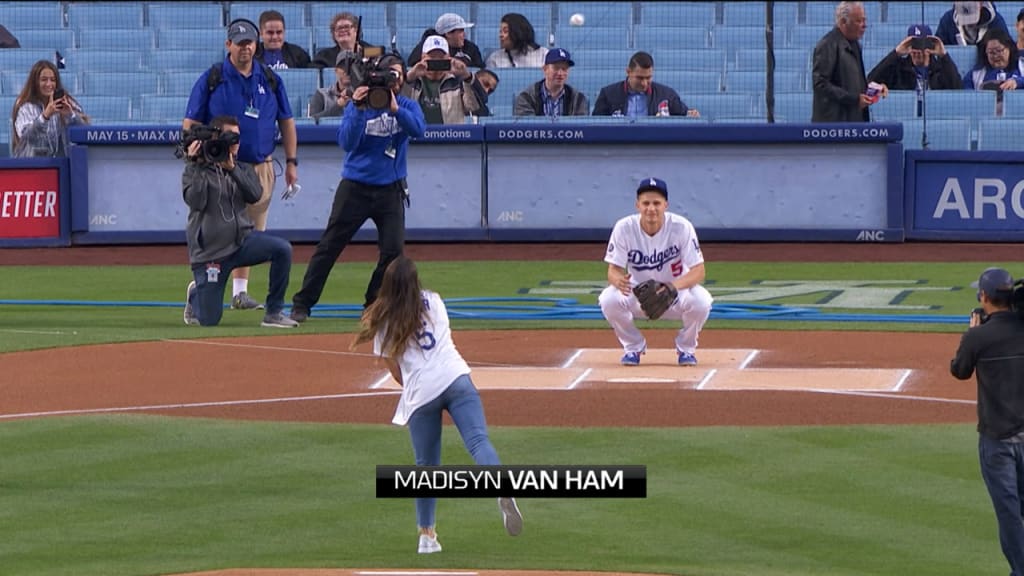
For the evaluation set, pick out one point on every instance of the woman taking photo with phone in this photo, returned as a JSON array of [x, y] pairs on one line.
[[42, 113]]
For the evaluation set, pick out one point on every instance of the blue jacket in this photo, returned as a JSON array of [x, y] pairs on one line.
[[613, 98], [367, 134], [949, 32]]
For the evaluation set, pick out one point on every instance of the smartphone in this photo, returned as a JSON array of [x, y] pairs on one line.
[[438, 65], [58, 94], [922, 43]]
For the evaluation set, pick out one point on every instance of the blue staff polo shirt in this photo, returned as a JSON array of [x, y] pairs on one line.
[[233, 97]]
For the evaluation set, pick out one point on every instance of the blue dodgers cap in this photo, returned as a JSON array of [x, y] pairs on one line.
[[919, 30], [994, 282], [556, 55], [652, 185]]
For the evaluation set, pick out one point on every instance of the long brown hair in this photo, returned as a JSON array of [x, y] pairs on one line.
[[30, 93], [398, 309]]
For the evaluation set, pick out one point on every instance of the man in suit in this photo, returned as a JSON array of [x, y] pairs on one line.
[[640, 95], [840, 84]]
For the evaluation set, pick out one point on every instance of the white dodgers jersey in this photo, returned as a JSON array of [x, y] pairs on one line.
[[667, 255], [430, 363]]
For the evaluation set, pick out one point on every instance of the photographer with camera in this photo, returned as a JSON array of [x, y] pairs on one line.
[[374, 133], [918, 59], [993, 346], [442, 85], [217, 189]]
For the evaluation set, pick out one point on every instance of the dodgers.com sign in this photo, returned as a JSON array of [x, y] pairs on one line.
[[29, 202]]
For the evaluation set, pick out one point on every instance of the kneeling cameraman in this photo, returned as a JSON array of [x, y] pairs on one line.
[[994, 347], [220, 234]]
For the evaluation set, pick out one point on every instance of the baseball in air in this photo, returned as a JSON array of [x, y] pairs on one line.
[[576, 19]]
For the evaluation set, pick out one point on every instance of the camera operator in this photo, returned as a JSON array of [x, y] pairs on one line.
[[221, 236], [994, 347], [918, 58], [442, 85], [374, 133]]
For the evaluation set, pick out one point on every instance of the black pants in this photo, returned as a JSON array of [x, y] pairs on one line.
[[354, 204]]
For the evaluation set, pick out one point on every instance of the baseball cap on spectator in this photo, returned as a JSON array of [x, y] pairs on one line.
[[919, 30], [556, 55], [1020, 15], [994, 282], [241, 31], [966, 13], [435, 43], [448, 22], [652, 185]]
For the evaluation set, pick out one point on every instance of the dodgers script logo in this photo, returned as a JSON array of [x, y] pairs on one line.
[[640, 261]]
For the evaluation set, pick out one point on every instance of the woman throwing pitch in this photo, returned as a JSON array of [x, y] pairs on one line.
[[410, 330]]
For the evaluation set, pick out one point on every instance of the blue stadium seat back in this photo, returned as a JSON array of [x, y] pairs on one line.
[[793, 107], [947, 134], [408, 38], [100, 60], [501, 110], [574, 38], [756, 81], [999, 133], [196, 61], [186, 15], [733, 38], [160, 108], [300, 82], [107, 108], [1013, 104], [600, 14], [179, 82], [688, 81], [804, 35], [373, 14], [754, 14], [963, 57], [960, 104], [714, 105], [488, 17], [92, 15], [590, 82], [116, 39], [885, 35], [908, 13], [899, 105], [24, 58], [676, 14], [301, 36], [872, 56], [119, 83], [600, 58], [788, 59], [515, 80], [424, 14], [39, 15], [646, 37], [62, 39], [295, 13], [708, 59], [173, 38], [379, 36]]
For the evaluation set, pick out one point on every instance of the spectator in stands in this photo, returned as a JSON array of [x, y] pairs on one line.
[[1020, 40], [441, 84], [968, 22], [996, 67], [221, 236], [837, 73], [918, 58], [346, 33], [485, 82], [518, 48], [245, 89], [453, 28], [640, 95], [7, 40], [553, 96], [42, 113], [331, 100], [274, 51]]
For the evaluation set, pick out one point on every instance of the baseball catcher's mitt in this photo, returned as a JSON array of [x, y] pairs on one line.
[[655, 297]]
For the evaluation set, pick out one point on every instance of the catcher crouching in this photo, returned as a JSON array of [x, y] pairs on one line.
[[655, 268]]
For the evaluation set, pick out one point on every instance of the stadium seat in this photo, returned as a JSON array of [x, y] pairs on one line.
[[574, 38], [179, 83], [733, 38], [174, 38], [424, 14], [899, 105], [93, 15], [804, 36], [716, 105], [789, 59], [646, 37], [755, 81], [753, 14], [793, 106], [407, 39], [710, 59], [24, 58], [116, 38], [1013, 104], [689, 81], [601, 58], [119, 83], [501, 110], [38, 15], [907, 13], [373, 14], [963, 56], [193, 60], [960, 104], [300, 83], [947, 134], [295, 13], [186, 15], [1000, 133], [666, 14], [100, 60], [107, 108], [885, 35], [160, 108], [600, 14], [872, 56], [62, 39]]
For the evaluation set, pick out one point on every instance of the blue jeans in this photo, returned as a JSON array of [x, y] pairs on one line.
[[257, 248], [1002, 467], [462, 402]]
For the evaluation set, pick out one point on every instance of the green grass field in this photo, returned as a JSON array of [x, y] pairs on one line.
[[140, 495]]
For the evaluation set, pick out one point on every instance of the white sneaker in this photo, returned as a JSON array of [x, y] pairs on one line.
[[190, 314], [428, 544], [511, 516]]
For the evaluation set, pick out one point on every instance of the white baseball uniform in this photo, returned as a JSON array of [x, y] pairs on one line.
[[667, 255], [430, 364]]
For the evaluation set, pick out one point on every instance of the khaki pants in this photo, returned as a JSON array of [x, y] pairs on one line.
[[258, 211]]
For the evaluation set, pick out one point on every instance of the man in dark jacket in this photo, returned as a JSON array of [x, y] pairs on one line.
[[919, 57], [552, 96], [993, 348], [838, 70], [640, 95], [273, 50]]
